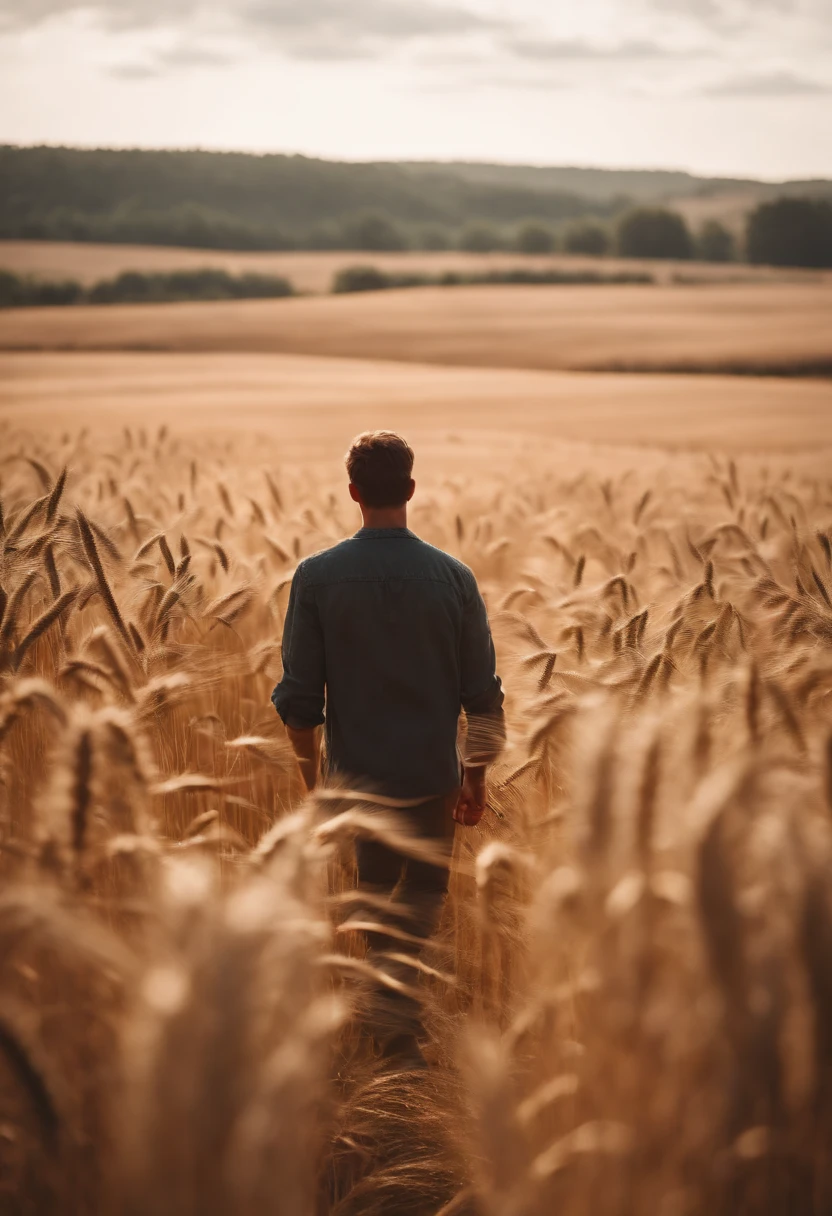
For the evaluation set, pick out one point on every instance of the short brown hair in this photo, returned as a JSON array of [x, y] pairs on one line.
[[380, 466]]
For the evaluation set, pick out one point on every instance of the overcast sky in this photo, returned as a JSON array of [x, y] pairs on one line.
[[717, 86]]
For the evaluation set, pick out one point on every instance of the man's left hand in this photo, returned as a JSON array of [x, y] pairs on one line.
[[472, 797]]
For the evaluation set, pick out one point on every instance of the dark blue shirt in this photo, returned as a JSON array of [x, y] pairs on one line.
[[392, 636]]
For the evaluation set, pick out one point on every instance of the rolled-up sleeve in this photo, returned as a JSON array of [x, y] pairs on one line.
[[482, 692], [299, 697]]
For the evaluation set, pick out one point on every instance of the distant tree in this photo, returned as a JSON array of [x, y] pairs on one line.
[[131, 286], [715, 243], [587, 238], [374, 233], [134, 287], [322, 236], [619, 203], [535, 238], [23, 293], [65, 291], [432, 238], [12, 290], [653, 233], [370, 278], [359, 278], [790, 232], [261, 287], [480, 238]]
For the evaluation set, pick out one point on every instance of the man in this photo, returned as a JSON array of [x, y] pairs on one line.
[[391, 636]]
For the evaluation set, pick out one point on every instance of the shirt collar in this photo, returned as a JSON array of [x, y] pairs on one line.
[[383, 534]]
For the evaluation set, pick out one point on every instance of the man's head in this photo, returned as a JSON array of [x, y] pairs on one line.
[[380, 467]]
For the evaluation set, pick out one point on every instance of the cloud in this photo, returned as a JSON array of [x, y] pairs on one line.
[[577, 50], [669, 31], [306, 29], [118, 14], [726, 14], [383, 19], [134, 71], [801, 23], [712, 13], [181, 55], [773, 84], [335, 29], [187, 55]]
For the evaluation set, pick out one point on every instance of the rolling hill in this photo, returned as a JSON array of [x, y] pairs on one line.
[[242, 201]]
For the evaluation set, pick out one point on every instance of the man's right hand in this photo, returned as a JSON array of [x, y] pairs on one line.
[[471, 805]]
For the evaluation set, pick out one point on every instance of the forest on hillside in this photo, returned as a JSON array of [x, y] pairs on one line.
[[234, 200], [240, 201]]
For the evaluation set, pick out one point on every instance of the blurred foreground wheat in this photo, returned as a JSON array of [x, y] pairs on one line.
[[631, 997]]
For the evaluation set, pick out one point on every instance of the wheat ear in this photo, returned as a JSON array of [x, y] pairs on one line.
[[44, 622], [93, 557]]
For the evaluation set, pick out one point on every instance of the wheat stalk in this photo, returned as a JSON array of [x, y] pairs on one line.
[[88, 542]]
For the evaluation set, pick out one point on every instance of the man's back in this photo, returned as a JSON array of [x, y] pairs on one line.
[[393, 634]]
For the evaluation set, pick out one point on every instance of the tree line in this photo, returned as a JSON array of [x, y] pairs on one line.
[[784, 232], [239, 201], [236, 201], [781, 232], [135, 287], [371, 278]]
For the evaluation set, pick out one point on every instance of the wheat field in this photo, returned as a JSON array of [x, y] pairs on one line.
[[313, 406], [629, 1000], [782, 327]]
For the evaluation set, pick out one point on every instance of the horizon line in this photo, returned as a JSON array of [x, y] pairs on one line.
[[427, 161]]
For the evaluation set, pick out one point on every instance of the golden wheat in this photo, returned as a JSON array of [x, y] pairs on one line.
[[629, 999]]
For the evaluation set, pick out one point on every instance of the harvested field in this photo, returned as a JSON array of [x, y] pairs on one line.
[[784, 328], [314, 272], [315, 405]]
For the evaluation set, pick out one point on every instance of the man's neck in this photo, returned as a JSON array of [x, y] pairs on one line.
[[384, 517]]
